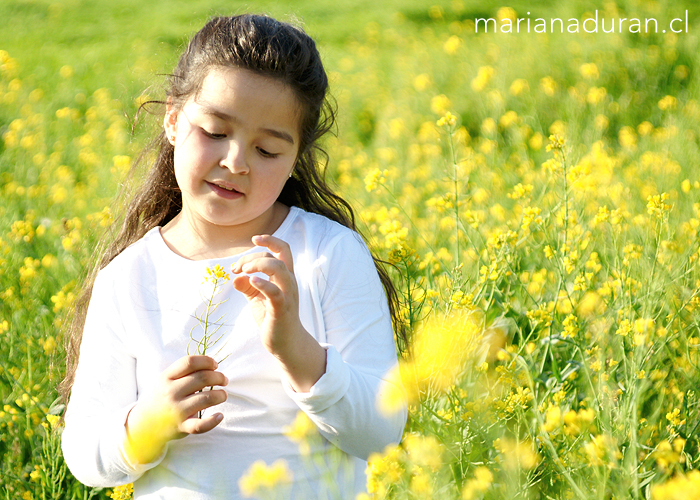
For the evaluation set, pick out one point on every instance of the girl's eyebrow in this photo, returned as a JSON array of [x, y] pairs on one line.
[[211, 110]]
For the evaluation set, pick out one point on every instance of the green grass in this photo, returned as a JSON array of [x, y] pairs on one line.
[[600, 252]]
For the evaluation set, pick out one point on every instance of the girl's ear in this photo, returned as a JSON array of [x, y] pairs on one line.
[[170, 121]]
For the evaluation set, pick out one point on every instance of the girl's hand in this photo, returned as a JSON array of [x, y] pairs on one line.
[[275, 307], [274, 303], [170, 411]]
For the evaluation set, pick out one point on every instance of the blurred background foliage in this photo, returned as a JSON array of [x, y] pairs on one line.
[[579, 261]]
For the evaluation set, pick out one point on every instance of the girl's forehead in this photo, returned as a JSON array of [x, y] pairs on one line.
[[235, 94], [226, 82]]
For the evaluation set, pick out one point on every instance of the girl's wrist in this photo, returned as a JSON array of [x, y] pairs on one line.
[[303, 360]]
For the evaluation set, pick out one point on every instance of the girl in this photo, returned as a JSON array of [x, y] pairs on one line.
[[305, 326]]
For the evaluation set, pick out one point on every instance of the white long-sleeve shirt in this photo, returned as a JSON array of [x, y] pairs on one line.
[[141, 319]]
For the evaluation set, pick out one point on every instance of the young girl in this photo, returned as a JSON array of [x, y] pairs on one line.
[[305, 321]]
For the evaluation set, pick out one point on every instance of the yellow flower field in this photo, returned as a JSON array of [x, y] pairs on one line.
[[538, 198]]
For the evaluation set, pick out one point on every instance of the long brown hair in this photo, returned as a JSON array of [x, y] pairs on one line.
[[269, 48]]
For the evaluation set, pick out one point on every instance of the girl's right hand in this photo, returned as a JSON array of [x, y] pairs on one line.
[[170, 412]]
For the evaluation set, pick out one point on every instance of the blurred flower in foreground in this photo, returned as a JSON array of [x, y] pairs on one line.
[[443, 344], [482, 79], [145, 442], [681, 486], [481, 482], [260, 478], [301, 431]]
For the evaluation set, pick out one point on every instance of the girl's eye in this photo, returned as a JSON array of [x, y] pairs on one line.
[[267, 154], [213, 135]]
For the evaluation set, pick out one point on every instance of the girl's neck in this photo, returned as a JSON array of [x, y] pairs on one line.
[[198, 240]]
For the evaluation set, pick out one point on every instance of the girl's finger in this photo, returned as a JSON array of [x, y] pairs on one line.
[[189, 364], [190, 384], [272, 292], [201, 400], [201, 425], [236, 267], [242, 284], [269, 266], [278, 247]]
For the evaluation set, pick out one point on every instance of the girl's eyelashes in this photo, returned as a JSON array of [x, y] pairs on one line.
[[213, 135], [267, 154], [263, 152]]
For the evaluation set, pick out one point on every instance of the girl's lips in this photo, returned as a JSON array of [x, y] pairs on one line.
[[225, 193]]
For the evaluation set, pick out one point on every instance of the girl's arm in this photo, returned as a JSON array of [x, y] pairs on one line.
[[112, 436], [359, 351], [275, 306]]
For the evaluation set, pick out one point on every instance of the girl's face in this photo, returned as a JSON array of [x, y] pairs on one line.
[[236, 143]]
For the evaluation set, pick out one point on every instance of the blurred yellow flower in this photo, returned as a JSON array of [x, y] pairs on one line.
[[548, 85], [685, 486], [517, 454], [434, 362], [301, 431], [589, 71], [261, 478], [508, 13], [145, 441], [519, 86], [421, 82], [440, 104], [66, 71], [482, 79], [452, 45], [481, 482], [668, 103]]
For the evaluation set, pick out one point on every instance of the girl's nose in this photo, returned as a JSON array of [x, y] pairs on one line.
[[234, 158]]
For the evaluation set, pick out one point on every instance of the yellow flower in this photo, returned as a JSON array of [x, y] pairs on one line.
[[66, 71], [657, 206], [449, 120], [517, 454], [374, 179], [548, 85], [685, 486], [481, 482], [145, 441], [53, 420], [482, 79], [506, 13], [552, 419], [50, 345], [589, 71], [216, 274], [627, 138], [301, 431], [440, 104], [124, 492], [435, 363], [452, 45], [668, 103], [261, 478], [519, 86], [602, 450], [421, 82], [425, 451]]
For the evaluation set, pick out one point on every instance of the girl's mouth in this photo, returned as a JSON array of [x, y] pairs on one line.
[[224, 190]]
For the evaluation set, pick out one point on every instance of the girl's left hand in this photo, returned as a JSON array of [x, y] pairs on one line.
[[275, 303], [275, 307]]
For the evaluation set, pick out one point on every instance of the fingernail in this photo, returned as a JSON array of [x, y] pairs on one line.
[[226, 380], [219, 417]]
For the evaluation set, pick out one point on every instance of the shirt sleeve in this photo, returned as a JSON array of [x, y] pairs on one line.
[[360, 355], [103, 393]]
